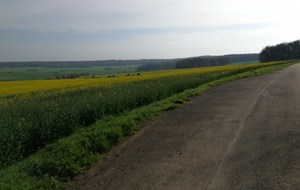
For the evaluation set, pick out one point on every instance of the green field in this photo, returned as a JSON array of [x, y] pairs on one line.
[[50, 136], [38, 73]]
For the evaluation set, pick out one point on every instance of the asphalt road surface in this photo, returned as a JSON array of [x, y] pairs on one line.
[[241, 135]]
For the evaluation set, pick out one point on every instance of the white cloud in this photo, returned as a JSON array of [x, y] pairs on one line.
[[148, 28]]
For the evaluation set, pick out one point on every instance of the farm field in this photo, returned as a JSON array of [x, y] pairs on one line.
[[38, 73], [35, 114], [20, 87]]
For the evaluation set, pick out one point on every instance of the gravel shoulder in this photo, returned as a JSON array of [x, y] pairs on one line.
[[241, 135]]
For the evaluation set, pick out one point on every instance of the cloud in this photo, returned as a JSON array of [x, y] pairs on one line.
[[99, 15], [142, 28]]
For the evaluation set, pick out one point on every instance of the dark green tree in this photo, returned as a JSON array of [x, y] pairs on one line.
[[279, 52]]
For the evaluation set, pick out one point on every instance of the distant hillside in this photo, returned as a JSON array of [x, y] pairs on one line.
[[166, 65], [240, 58], [144, 64], [55, 64], [201, 61]]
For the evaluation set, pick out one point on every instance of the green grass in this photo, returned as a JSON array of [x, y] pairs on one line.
[[38, 73], [57, 163]]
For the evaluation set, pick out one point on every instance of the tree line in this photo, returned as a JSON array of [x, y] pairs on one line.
[[202, 62], [280, 52]]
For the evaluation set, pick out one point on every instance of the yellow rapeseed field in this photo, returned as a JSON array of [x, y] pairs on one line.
[[20, 87]]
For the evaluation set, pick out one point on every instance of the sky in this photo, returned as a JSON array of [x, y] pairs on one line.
[[52, 30]]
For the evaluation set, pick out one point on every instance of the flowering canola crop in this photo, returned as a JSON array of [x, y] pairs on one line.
[[20, 87]]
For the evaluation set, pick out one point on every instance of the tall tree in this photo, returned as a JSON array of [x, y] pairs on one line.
[[279, 52]]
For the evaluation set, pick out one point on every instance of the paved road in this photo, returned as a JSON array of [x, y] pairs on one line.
[[241, 135]]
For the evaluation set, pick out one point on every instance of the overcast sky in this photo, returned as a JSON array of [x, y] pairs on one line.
[[134, 29]]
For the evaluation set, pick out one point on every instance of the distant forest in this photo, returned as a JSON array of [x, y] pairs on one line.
[[143, 64], [280, 52], [202, 61]]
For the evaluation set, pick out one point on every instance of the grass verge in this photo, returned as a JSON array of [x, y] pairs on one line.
[[58, 163]]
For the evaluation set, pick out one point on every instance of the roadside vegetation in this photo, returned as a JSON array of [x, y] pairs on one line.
[[50, 135]]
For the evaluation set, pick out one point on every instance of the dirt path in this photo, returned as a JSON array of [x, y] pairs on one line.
[[241, 135]]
